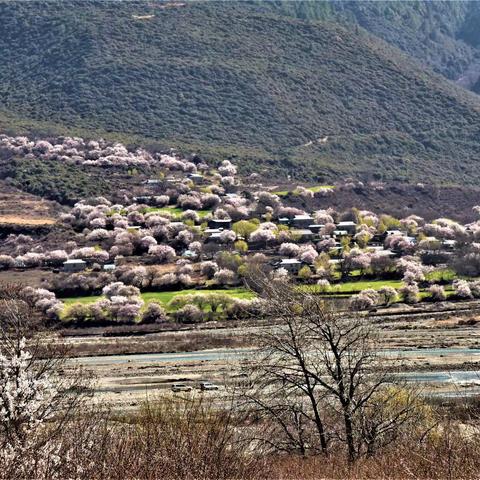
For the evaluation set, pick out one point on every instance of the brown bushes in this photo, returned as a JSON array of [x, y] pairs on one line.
[[167, 439], [450, 456], [194, 439], [186, 439]]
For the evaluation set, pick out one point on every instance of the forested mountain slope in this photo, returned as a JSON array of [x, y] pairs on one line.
[[225, 79], [444, 35]]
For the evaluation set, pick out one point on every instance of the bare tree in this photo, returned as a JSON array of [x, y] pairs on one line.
[[281, 371], [318, 378]]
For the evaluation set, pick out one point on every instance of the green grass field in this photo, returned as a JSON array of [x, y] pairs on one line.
[[340, 290], [444, 274], [314, 189], [175, 211], [164, 297], [349, 288]]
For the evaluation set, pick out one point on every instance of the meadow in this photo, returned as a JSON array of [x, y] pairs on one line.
[[165, 297], [175, 211]]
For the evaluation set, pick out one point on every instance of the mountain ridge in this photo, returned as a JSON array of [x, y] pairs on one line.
[[228, 81]]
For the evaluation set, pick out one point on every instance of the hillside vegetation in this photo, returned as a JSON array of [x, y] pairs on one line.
[[53, 180], [442, 34], [227, 80]]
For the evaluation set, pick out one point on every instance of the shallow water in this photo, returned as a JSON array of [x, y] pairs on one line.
[[436, 352], [225, 353], [454, 377]]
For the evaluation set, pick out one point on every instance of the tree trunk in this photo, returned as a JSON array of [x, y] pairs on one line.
[[320, 429], [349, 435]]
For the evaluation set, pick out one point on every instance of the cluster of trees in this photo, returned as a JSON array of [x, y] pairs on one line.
[[122, 304], [410, 293], [370, 298], [76, 150], [110, 236], [419, 244], [196, 308], [53, 258], [105, 232], [75, 284], [44, 301]]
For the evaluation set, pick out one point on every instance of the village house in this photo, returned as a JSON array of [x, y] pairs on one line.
[[196, 178], [215, 237], [301, 221], [152, 181], [143, 199], [449, 244], [224, 223], [74, 265], [394, 232], [302, 234], [340, 233], [189, 254], [349, 227], [292, 265], [172, 181]]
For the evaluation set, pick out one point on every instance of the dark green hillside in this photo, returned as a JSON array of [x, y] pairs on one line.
[[54, 180], [225, 79], [444, 35]]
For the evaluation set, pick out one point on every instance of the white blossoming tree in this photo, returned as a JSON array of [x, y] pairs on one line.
[[36, 403]]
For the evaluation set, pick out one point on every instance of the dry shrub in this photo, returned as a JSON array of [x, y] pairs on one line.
[[166, 439], [177, 439], [193, 439], [450, 455]]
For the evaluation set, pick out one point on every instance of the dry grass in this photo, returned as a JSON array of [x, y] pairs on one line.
[[25, 220], [193, 439], [450, 457], [20, 208], [178, 439], [161, 343]]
